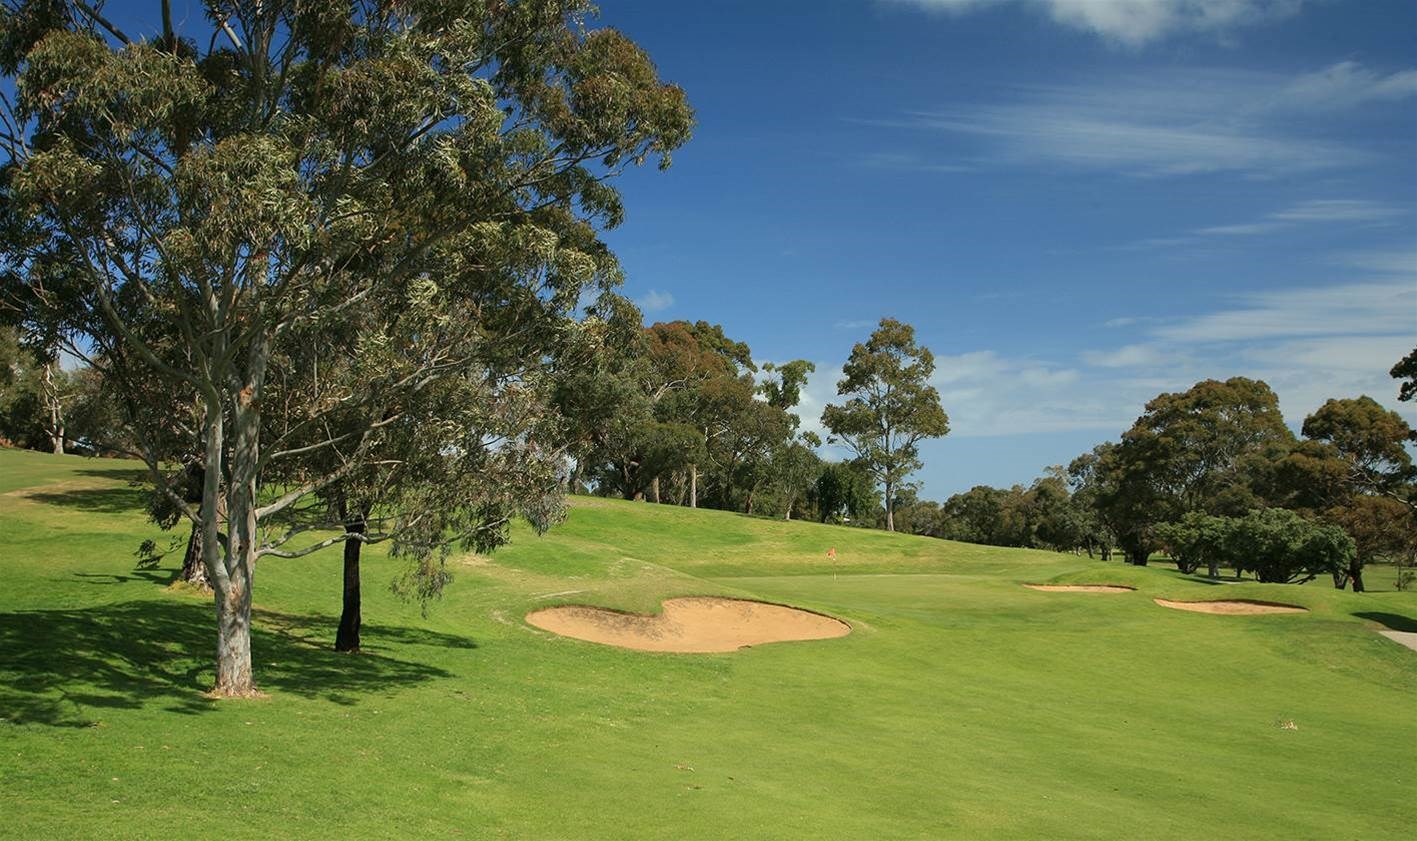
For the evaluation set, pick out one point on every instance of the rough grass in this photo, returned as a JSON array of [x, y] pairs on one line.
[[962, 706]]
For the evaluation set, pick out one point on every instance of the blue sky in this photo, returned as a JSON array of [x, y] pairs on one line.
[[1078, 203]]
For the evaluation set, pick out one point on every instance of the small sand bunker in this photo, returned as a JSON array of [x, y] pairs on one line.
[[693, 625], [1232, 607], [1081, 588]]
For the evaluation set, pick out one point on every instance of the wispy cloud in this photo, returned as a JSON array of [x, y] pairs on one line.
[[1380, 307], [1314, 211], [654, 301], [1127, 356], [1308, 343], [1348, 84], [1137, 22], [1167, 124]]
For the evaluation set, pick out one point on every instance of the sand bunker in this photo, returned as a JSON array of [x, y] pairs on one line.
[[1081, 588], [1232, 607], [693, 625]]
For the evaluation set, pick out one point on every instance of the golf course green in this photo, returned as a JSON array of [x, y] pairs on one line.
[[962, 704]]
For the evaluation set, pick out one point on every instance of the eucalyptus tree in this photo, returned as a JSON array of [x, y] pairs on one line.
[[1372, 443], [199, 209], [890, 408], [1198, 450]]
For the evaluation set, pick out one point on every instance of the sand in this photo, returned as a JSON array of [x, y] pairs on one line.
[[1406, 638], [1081, 588], [1232, 607], [692, 625]]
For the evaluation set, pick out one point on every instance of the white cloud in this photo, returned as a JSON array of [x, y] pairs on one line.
[[1154, 124], [1337, 210], [1242, 230], [1309, 344], [654, 301], [1127, 356], [1137, 22], [1380, 307], [1382, 262], [987, 394], [1346, 84], [1313, 211]]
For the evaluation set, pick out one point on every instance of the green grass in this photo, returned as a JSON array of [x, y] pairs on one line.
[[962, 706]]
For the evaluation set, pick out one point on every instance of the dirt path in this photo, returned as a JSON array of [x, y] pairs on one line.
[[693, 625]]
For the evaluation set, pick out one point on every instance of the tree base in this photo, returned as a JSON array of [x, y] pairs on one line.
[[250, 693]]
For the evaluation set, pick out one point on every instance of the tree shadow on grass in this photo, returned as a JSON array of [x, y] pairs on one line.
[[117, 472], [1392, 621], [163, 577], [95, 500], [62, 668]]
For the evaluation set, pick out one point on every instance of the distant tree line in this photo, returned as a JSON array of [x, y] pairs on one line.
[[681, 414], [1213, 477]]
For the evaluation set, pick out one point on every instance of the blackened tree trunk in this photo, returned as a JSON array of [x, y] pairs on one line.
[[347, 637], [194, 569], [1355, 574]]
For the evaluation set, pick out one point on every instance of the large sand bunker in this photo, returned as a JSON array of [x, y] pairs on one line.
[[1232, 607], [692, 625], [1081, 588]]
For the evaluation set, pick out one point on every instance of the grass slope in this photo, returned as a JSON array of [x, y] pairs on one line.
[[962, 706]]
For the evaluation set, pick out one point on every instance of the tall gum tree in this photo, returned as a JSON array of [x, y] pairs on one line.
[[193, 210], [890, 408]]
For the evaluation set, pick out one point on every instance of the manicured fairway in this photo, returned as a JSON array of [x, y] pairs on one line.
[[962, 705]]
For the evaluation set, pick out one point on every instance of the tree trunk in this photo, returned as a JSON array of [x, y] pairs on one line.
[[194, 568], [1340, 579], [788, 515], [233, 588], [654, 490], [55, 427], [693, 486], [1355, 574], [890, 508], [347, 637], [1213, 568], [233, 654]]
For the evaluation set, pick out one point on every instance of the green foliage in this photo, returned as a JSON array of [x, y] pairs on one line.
[[1279, 546], [784, 388], [890, 406], [1370, 439], [845, 490], [1197, 450], [1406, 371], [1197, 538]]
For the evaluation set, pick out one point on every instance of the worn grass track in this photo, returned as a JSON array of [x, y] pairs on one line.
[[963, 705]]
